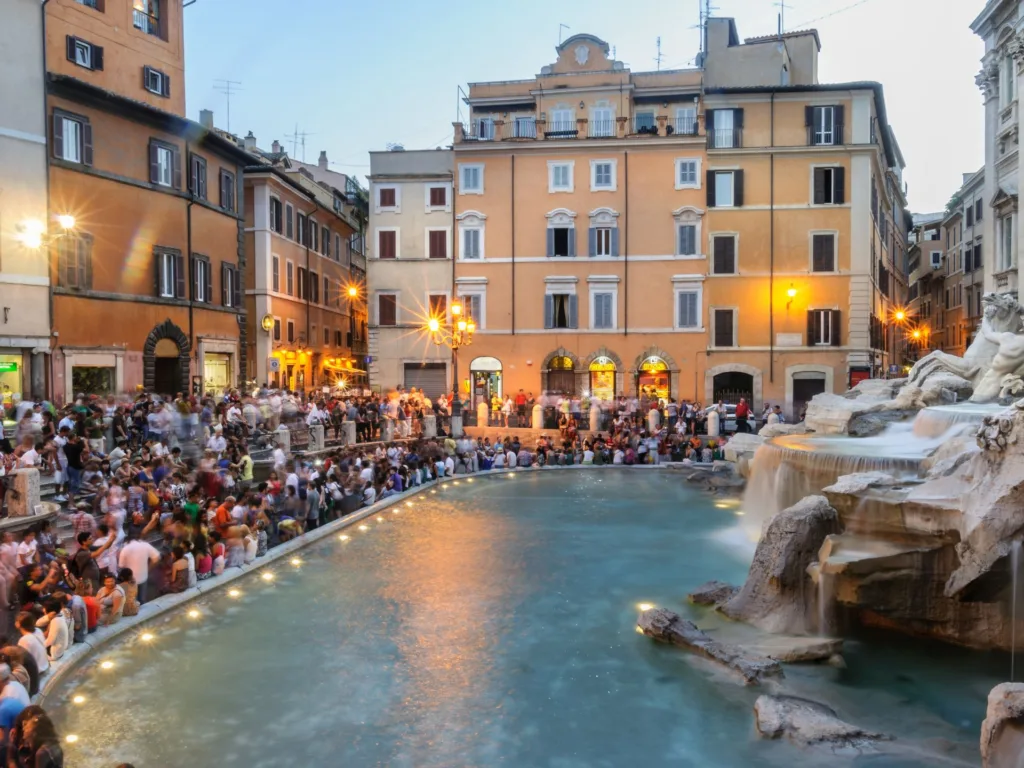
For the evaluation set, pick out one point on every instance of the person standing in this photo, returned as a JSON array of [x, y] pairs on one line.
[[520, 409], [139, 555], [742, 414]]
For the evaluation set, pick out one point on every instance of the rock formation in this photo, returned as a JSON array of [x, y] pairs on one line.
[[712, 593], [668, 627], [808, 723], [1002, 733], [777, 595]]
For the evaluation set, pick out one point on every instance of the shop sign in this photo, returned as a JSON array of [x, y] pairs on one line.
[[653, 365], [8, 367]]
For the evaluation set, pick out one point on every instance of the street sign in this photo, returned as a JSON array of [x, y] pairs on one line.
[[274, 364], [893, 368]]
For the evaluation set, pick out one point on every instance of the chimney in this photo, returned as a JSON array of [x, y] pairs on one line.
[[276, 146], [206, 118], [249, 141], [322, 162]]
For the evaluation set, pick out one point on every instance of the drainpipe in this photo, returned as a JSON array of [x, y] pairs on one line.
[[309, 341], [513, 196], [49, 251]]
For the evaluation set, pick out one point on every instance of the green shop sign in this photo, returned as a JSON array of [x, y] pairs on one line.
[[8, 367]]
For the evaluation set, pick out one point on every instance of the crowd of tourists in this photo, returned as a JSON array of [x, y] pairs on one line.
[[161, 494]]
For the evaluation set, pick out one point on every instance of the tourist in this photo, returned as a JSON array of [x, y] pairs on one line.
[[32, 640], [138, 555], [34, 740], [58, 636], [111, 599], [12, 688], [742, 414]]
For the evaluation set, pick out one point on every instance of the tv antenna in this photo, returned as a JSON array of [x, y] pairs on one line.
[[298, 140], [782, 6], [560, 28], [659, 57], [706, 8], [228, 88]]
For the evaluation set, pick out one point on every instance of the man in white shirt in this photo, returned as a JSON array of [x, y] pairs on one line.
[[27, 549], [217, 443], [280, 461], [115, 457], [12, 689], [108, 559], [138, 555], [29, 458], [32, 640], [366, 473], [449, 466], [369, 494]]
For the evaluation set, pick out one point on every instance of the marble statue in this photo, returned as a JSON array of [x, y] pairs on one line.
[[1007, 363], [1001, 315]]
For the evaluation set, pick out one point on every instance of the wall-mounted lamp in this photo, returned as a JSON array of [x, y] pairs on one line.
[[791, 293], [582, 105]]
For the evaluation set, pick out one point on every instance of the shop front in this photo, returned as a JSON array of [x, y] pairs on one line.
[[653, 378], [11, 379], [485, 379], [602, 379], [216, 373], [561, 376]]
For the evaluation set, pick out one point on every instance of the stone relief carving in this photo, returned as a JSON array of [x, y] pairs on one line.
[[988, 78]]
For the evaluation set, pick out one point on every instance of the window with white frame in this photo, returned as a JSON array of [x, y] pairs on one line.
[[686, 121], [823, 252], [560, 176], [688, 309], [603, 241], [602, 122], [687, 173], [437, 198], [725, 191], [471, 235], [723, 254], [562, 121], [474, 301], [823, 125], [603, 235], [688, 221], [603, 304], [69, 138], [388, 199], [1007, 82], [602, 175], [561, 233], [471, 179], [275, 277], [1005, 242], [485, 128], [164, 166], [168, 269]]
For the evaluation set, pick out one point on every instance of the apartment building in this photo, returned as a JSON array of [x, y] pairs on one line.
[[147, 286], [412, 222], [26, 224], [926, 310], [999, 25], [964, 263], [664, 232], [306, 316]]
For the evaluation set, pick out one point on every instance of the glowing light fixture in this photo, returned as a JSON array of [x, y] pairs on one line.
[[193, 614], [78, 699], [267, 576], [644, 606], [66, 221], [233, 593], [107, 665], [353, 291], [343, 537], [296, 561], [434, 325], [146, 637], [364, 527], [71, 738]]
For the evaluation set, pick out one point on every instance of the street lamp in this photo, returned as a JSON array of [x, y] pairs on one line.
[[458, 333], [32, 233]]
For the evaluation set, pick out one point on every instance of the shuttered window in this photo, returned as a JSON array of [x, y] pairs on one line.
[[170, 274], [387, 197], [227, 191], [823, 327], [560, 311], [314, 287], [275, 280], [604, 304], [438, 306], [688, 309], [197, 176], [74, 261], [165, 164], [155, 81], [275, 215], [387, 244], [437, 244], [471, 243], [687, 240], [724, 250], [387, 309], [725, 189], [289, 222], [829, 186], [438, 197], [230, 286], [83, 53], [202, 280], [823, 253], [72, 137], [725, 327]]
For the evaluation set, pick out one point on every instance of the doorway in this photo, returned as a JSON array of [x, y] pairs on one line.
[[806, 384], [730, 387], [167, 368]]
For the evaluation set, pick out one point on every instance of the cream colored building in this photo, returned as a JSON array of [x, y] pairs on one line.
[[409, 269], [24, 219]]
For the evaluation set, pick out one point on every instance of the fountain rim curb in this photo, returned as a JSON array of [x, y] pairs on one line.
[[79, 653]]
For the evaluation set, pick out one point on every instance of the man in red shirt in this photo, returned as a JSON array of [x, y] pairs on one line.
[[742, 414], [521, 408]]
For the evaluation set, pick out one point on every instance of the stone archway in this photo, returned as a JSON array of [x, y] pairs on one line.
[[756, 380], [804, 381], [655, 352], [603, 352], [666, 386], [564, 380], [173, 371]]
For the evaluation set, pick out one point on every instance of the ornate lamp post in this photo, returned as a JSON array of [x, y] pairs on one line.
[[458, 333]]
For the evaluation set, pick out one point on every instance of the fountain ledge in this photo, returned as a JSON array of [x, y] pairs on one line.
[[104, 636]]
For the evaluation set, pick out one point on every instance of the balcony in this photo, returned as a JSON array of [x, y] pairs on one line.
[[725, 138], [147, 23], [602, 128], [561, 129], [683, 126], [518, 129]]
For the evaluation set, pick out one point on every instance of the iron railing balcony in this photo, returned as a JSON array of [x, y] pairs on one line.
[[147, 23], [725, 138], [602, 128]]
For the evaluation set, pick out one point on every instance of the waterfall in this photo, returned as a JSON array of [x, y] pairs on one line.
[[822, 600], [939, 419]]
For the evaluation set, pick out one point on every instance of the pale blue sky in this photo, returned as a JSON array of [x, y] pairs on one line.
[[357, 75]]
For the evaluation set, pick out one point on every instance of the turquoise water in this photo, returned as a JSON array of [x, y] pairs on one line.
[[491, 623]]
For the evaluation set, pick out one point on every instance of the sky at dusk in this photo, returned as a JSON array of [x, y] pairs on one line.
[[357, 76]]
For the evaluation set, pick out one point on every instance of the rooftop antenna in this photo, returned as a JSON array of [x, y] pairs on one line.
[[782, 6], [659, 57], [298, 140], [705, 13], [228, 88], [560, 28]]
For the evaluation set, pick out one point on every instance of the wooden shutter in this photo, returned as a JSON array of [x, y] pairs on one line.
[[70, 45], [85, 260], [236, 288], [709, 184], [208, 267], [58, 135], [572, 241], [387, 245], [723, 327], [737, 118], [737, 188], [225, 295], [839, 114], [725, 255], [819, 186], [839, 185], [97, 57], [551, 247], [62, 261], [549, 311], [592, 241], [158, 262], [193, 174], [179, 276], [176, 168], [709, 127], [812, 327], [615, 241], [86, 142], [154, 162], [688, 310], [836, 326], [809, 124], [573, 311], [165, 84]]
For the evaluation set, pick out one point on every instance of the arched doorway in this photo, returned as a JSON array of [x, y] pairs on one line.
[[165, 360], [652, 378], [485, 379], [602, 379], [561, 375], [731, 386]]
